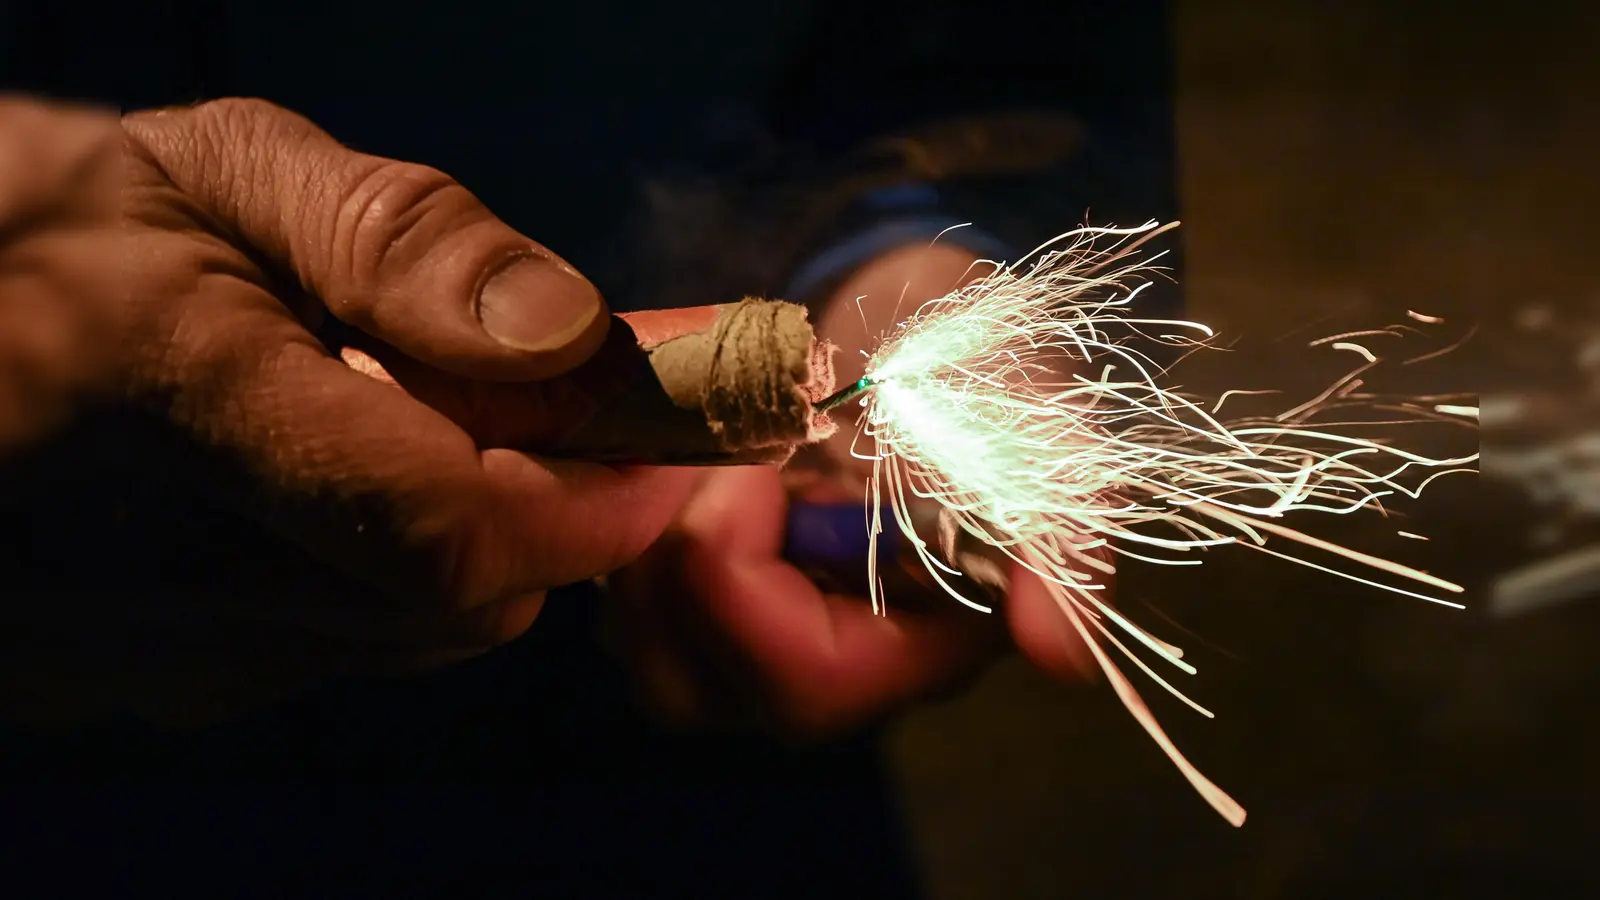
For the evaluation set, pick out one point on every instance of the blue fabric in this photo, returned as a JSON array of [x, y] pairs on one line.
[[843, 257], [832, 533]]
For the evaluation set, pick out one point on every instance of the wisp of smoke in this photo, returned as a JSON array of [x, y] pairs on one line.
[[1024, 407]]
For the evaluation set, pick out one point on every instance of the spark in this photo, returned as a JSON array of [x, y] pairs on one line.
[[966, 406], [1217, 407], [1356, 348], [1443, 350], [1392, 331]]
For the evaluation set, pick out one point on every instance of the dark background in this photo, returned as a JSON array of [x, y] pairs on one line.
[[1350, 162], [558, 116]]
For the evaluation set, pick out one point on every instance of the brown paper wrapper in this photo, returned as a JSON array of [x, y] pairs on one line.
[[714, 385]]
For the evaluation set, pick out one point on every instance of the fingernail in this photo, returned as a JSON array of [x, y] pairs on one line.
[[538, 304]]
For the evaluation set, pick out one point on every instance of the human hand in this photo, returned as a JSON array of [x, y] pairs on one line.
[[243, 231], [58, 170], [716, 626]]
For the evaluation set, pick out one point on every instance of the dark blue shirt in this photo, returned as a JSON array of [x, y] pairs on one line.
[[566, 117]]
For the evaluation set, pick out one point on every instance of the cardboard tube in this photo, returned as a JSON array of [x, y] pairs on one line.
[[713, 385]]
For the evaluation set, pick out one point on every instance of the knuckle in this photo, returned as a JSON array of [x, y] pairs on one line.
[[222, 153], [388, 218], [242, 122], [190, 137], [234, 116]]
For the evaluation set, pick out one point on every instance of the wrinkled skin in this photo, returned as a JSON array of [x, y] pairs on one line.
[[239, 229]]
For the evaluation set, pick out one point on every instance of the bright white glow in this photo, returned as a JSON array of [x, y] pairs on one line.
[[970, 409]]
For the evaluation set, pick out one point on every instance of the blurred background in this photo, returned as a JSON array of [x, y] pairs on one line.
[[1334, 166], [1348, 162]]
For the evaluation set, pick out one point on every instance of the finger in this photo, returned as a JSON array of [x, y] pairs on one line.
[[52, 159], [58, 193], [570, 521], [823, 662], [400, 251], [380, 486], [1041, 630]]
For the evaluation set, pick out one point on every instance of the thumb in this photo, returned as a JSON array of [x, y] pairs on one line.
[[400, 251]]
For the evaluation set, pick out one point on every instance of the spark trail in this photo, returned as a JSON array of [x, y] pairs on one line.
[[1023, 405]]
